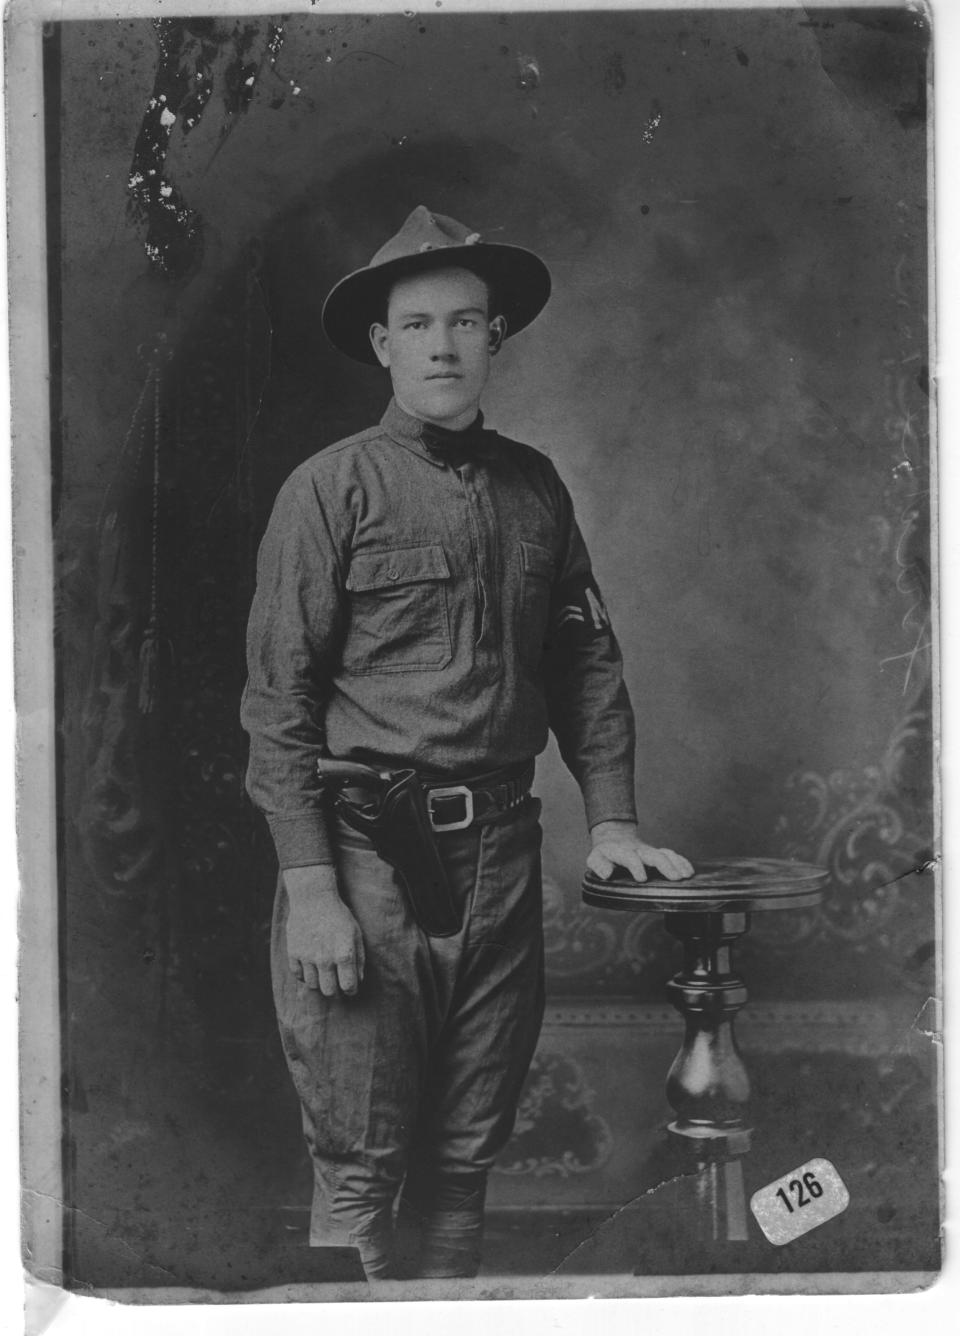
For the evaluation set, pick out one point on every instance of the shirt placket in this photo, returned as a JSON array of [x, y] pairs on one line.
[[480, 528]]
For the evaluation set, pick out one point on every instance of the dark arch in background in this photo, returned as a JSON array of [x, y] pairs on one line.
[[176, 901]]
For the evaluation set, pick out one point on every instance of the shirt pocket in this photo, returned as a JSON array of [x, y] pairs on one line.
[[533, 611], [399, 619]]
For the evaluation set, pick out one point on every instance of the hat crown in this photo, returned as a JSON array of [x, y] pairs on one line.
[[422, 232]]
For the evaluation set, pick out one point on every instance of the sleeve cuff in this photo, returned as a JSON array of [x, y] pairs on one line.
[[609, 797], [302, 840]]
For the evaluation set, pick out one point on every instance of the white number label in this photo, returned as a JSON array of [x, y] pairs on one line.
[[799, 1201]]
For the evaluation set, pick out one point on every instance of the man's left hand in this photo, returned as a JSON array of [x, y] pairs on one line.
[[617, 844]]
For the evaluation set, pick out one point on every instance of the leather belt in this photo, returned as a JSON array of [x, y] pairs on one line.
[[476, 801]]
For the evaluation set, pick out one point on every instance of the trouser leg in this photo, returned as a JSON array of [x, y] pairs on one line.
[[481, 1056], [358, 1063]]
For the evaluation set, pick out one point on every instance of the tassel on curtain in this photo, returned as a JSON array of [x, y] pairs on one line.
[[152, 642]]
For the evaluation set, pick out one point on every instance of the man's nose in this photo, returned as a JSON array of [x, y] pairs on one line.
[[442, 346]]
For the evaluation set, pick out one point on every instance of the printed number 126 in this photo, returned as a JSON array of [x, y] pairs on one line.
[[809, 1182]]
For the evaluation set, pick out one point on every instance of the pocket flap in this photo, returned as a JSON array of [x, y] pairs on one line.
[[536, 560], [398, 565]]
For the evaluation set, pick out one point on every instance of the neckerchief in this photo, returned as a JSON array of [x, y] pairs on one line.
[[456, 447]]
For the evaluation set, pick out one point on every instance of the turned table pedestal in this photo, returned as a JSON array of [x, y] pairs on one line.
[[707, 1085]]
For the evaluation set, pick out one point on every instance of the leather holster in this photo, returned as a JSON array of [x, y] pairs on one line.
[[392, 813]]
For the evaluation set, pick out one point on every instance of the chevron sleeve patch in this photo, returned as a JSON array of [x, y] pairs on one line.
[[580, 612]]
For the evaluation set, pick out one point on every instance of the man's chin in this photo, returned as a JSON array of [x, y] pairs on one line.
[[443, 391], [444, 404]]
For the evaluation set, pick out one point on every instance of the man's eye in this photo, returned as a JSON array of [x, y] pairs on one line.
[[415, 324], [467, 322]]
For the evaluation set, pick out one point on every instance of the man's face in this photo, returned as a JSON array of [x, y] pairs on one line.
[[437, 343]]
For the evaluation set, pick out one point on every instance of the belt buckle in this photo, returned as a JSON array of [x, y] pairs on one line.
[[454, 791]]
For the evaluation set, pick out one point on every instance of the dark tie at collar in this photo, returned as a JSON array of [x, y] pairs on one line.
[[438, 444], [457, 445]]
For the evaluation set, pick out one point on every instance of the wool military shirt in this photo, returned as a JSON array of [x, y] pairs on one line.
[[425, 598]]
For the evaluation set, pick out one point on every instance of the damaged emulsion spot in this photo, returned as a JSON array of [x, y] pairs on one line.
[[183, 86], [653, 123], [928, 1021], [241, 73], [528, 76]]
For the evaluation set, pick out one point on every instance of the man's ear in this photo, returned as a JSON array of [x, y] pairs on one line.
[[498, 332], [378, 338]]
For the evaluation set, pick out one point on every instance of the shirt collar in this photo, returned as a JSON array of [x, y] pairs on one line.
[[436, 444]]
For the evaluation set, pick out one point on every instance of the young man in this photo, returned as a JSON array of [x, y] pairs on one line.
[[425, 600]]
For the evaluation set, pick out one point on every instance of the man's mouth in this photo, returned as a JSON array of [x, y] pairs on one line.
[[444, 375]]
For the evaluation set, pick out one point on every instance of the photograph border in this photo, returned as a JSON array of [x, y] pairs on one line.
[[33, 624]]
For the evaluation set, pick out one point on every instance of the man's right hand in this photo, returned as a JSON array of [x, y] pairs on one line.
[[324, 942]]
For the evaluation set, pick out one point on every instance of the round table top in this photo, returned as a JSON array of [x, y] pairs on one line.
[[718, 885]]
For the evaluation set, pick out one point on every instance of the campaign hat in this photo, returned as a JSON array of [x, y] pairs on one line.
[[519, 279]]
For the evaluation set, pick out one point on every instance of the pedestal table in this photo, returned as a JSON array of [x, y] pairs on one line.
[[707, 1086]]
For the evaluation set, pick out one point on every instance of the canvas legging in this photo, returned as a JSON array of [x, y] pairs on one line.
[[414, 1082]]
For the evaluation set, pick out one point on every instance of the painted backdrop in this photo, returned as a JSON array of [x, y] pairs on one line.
[[732, 379]]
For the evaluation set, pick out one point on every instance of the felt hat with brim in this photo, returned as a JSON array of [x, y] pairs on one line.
[[519, 280]]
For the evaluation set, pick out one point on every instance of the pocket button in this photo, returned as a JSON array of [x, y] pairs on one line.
[[393, 574]]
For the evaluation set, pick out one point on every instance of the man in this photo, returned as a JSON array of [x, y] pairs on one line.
[[425, 600]]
